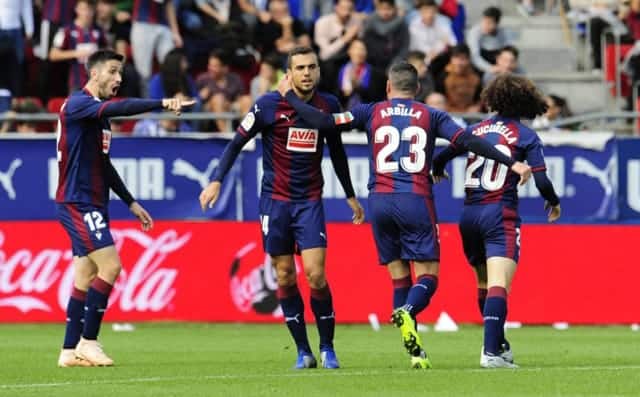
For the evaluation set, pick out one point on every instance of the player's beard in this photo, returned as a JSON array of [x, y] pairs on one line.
[[109, 91]]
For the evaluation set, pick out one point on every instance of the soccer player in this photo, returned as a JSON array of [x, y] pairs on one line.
[[291, 211], [86, 175], [489, 224], [401, 134]]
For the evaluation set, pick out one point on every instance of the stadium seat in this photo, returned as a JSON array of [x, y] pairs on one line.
[[611, 66], [54, 104]]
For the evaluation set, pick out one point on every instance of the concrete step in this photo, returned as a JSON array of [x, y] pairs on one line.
[[584, 91], [547, 60]]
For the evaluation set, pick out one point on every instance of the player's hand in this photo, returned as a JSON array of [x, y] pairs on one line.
[[142, 215], [209, 195], [439, 177], [523, 170], [553, 213], [177, 104], [284, 85], [358, 211]]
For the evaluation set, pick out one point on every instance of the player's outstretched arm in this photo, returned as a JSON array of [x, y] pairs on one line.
[[551, 200], [438, 172]]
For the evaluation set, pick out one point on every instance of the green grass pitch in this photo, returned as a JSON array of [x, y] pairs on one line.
[[230, 360]]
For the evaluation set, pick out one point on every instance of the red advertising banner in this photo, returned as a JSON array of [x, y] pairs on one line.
[[217, 271]]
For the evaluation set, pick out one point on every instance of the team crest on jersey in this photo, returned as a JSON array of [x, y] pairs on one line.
[[106, 141], [248, 121], [302, 140]]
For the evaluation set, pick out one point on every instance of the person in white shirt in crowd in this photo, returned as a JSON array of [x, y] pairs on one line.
[[485, 39], [431, 33], [15, 16]]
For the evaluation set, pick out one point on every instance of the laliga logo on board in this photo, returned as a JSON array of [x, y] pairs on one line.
[[26, 276]]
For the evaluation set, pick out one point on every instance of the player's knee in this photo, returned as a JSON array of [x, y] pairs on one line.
[[286, 276], [316, 278], [109, 272]]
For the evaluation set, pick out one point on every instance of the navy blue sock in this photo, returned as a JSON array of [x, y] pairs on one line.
[[401, 288], [482, 298], [97, 299], [495, 313], [420, 294], [293, 310], [322, 307], [75, 318]]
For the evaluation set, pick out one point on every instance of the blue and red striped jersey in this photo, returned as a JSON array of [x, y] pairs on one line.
[[150, 11], [487, 181], [59, 12], [74, 37], [292, 147], [402, 135]]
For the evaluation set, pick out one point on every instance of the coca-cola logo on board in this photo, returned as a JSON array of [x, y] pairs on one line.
[[147, 285]]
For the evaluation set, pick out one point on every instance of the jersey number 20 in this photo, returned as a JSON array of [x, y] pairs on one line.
[[414, 162], [491, 179]]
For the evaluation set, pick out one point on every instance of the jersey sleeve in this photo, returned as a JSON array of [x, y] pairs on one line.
[[535, 155], [85, 107], [444, 126], [254, 121], [360, 115]]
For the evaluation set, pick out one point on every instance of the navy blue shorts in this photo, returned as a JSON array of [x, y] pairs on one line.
[[490, 230], [289, 227], [405, 227], [86, 225]]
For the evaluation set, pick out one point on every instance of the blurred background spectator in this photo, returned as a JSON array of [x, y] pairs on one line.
[[385, 35], [558, 108], [281, 33], [268, 77], [16, 26], [506, 62], [416, 58], [431, 32], [485, 39], [438, 101], [459, 82]]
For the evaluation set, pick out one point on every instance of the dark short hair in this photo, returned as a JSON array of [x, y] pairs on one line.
[[392, 3], [493, 13], [101, 56], [220, 55], [426, 3], [514, 96], [511, 49], [298, 51], [403, 77], [461, 49]]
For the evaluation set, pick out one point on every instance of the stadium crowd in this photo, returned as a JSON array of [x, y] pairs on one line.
[[226, 53]]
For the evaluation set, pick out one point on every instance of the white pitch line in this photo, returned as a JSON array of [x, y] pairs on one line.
[[305, 374]]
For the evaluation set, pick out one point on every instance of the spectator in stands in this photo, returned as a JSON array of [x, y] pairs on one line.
[[416, 58], [485, 39], [333, 35], [355, 77], [385, 35], [438, 101], [506, 62], [56, 14], [154, 31], [16, 16], [558, 108], [25, 106], [122, 24], [281, 33], [604, 18], [163, 127], [221, 90], [431, 33], [106, 20], [268, 77], [75, 43], [130, 86], [173, 78], [460, 83]]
